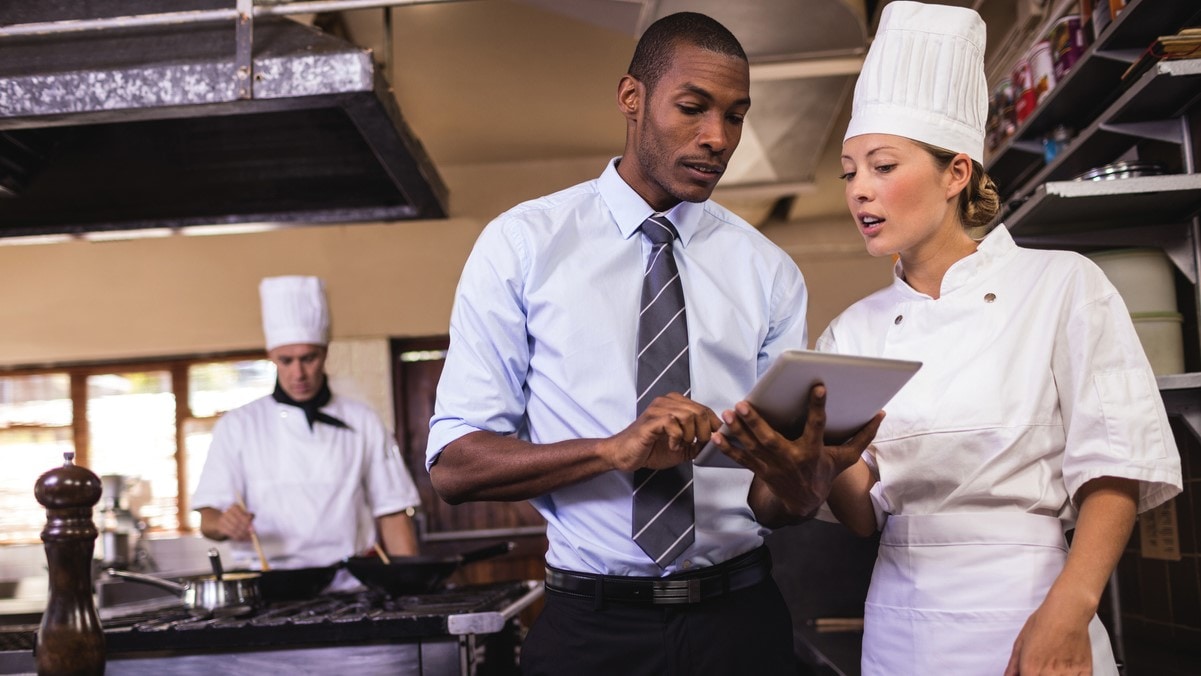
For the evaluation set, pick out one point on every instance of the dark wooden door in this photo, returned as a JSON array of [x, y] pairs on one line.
[[417, 366]]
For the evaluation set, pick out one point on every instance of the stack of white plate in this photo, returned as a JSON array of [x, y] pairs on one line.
[[1147, 283]]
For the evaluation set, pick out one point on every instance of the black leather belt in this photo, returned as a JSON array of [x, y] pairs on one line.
[[692, 587]]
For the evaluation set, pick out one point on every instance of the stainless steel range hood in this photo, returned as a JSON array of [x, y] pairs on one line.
[[155, 126]]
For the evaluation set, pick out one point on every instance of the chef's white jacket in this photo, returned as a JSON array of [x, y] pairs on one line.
[[1033, 382], [314, 492]]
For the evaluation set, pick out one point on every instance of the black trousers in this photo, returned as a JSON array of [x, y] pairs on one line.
[[744, 632]]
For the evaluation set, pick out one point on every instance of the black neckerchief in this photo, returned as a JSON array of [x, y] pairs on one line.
[[310, 407]]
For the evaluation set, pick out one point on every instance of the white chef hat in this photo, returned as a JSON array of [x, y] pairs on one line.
[[294, 311], [924, 78]]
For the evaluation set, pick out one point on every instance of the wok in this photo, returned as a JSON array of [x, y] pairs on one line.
[[416, 574], [292, 584]]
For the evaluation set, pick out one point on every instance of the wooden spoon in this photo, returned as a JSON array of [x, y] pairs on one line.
[[258, 547], [382, 554]]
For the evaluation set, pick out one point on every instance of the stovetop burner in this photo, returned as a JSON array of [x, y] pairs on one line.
[[332, 618], [327, 619]]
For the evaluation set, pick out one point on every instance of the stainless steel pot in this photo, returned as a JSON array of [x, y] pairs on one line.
[[1121, 169], [231, 593]]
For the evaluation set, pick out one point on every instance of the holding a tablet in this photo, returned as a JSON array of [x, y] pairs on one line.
[[857, 388]]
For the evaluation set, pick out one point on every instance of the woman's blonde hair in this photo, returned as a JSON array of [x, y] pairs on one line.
[[979, 202]]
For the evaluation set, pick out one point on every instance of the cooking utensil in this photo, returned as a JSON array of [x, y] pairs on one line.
[[231, 594], [215, 562], [254, 539], [382, 554], [416, 574]]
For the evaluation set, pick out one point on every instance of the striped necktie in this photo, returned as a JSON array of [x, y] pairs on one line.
[[662, 523]]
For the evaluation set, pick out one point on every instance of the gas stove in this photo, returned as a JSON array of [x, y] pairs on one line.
[[454, 631]]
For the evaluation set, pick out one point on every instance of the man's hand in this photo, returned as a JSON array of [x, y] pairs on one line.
[[792, 477], [673, 429], [235, 523]]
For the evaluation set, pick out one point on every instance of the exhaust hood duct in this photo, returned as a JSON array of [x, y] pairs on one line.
[[149, 126]]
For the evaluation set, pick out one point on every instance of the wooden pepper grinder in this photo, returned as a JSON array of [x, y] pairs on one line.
[[70, 640]]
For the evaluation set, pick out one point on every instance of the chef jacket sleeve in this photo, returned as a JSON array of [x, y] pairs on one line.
[[388, 483], [483, 378], [222, 479], [1113, 415]]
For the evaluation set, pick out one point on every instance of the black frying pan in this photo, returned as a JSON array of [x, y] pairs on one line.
[[416, 574]]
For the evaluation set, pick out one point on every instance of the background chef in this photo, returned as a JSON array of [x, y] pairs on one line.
[[316, 476]]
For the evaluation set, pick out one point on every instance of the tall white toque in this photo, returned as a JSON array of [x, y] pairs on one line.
[[294, 311], [924, 78]]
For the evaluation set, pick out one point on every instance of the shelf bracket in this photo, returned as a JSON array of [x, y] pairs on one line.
[[1187, 405], [1155, 130], [1176, 242], [1121, 55]]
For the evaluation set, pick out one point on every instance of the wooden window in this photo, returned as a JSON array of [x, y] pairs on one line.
[[150, 421]]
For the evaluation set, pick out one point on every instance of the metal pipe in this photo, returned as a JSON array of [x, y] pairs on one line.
[[197, 16]]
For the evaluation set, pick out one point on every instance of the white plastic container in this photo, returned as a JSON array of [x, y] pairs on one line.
[[1162, 336], [1143, 277]]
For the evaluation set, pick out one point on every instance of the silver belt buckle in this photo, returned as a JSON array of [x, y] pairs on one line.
[[666, 592]]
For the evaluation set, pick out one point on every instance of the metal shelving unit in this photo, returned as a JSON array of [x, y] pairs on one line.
[[1180, 397], [1150, 109], [1045, 207], [1088, 88]]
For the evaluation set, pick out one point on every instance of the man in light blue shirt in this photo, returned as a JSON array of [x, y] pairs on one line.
[[537, 397]]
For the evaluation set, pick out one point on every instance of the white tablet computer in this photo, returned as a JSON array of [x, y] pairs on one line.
[[856, 389]]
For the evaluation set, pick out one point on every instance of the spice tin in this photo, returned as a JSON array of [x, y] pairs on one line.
[[1102, 16], [1042, 70], [1067, 44], [1086, 21], [1024, 97], [1003, 99]]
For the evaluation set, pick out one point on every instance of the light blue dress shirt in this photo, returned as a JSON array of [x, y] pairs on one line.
[[543, 338]]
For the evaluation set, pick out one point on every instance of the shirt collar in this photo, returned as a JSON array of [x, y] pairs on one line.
[[630, 210], [996, 245]]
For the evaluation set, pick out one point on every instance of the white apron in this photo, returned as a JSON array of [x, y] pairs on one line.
[[927, 611]]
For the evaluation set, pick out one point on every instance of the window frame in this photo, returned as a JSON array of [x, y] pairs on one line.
[[178, 367]]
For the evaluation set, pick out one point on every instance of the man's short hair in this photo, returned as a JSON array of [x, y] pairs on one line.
[[652, 56]]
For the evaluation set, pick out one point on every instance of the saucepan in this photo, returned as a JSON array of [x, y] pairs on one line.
[[221, 592], [416, 574], [231, 592]]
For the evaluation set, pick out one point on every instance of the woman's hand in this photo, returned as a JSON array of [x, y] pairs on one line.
[[1053, 642]]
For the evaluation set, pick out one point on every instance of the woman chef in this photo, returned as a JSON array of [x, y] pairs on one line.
[[1035, 410], [317, 475]]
